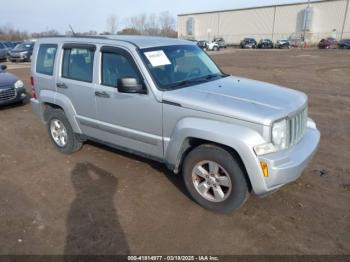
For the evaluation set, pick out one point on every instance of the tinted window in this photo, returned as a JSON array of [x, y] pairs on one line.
[[1, 46], [78, 64], [46, 59], [115, 67]]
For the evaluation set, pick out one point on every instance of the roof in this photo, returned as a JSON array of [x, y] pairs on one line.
[[256, 7], [138, 41], [149, 41]]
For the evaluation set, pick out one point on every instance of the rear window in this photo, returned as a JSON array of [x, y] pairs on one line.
[[46, 59], [78, 64]]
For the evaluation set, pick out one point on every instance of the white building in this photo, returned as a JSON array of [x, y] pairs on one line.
[[318, 20]]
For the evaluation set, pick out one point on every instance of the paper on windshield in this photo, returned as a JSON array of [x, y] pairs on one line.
[[157, 58]]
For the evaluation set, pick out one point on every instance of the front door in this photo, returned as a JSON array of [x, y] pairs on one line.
[[76, 83], [130, 121]]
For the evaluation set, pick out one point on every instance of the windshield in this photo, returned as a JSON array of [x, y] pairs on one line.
[[23, 46], [180, 66]]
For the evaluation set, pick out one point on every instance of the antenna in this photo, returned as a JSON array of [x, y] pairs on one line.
[[71, 28]]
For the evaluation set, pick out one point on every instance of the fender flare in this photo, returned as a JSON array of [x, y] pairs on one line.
[[240, 138], [48, 96]]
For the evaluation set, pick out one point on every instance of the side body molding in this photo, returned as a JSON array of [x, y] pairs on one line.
[[240, 138]]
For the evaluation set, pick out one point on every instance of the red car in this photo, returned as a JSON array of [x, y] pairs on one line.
[[328, 43]]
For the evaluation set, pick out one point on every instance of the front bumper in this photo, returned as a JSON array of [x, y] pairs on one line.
[[20, 95], [287, 166], [18, 58]]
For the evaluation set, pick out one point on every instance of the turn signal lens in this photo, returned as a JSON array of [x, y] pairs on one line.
[[264, 168]]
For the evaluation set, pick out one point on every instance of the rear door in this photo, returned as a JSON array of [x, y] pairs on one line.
[[75, 81]]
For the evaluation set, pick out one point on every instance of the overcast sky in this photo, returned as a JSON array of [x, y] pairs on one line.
[[85, 15]]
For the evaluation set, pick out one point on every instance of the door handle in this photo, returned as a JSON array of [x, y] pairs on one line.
[[61, 85], [102, 94]]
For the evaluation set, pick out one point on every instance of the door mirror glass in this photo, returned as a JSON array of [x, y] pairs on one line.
[[130, 85], [3, 67]]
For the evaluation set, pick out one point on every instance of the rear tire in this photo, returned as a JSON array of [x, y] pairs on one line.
[[61, 133], [222, 192]]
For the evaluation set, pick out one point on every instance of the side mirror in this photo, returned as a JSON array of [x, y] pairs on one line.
[[130, 85], [3, 67]]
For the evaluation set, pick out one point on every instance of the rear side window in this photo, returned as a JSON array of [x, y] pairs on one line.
[[78, 64], [2, 46], [115, 67], [46, 59]]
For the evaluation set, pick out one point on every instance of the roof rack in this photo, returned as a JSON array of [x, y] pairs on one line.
[[76, 36], [91, 37]]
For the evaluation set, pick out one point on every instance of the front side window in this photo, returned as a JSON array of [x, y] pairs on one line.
[[46, 59], [78, 64], [116, 66], [180, 66]]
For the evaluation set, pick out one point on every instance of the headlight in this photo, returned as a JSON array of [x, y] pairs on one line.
[[265, 149], [279, 134], [279, 139], [24, 53], [19, 84]]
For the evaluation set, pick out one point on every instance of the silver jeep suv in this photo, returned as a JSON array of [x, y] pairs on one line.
[[166, 100]]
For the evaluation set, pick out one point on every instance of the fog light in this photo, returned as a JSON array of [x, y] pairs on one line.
[[264, 168]]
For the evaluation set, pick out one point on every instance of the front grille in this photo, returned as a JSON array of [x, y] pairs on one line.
[[297, 127], [7, 94]]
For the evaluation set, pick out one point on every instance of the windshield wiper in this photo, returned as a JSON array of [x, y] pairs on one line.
[[209, 77], [188, 82], [197, 80]]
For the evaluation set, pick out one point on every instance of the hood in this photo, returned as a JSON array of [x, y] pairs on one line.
[[7, 79], [240, 98]]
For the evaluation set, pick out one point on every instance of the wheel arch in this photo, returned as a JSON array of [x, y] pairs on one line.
[[191, 143], [53, 100], [238, 140]]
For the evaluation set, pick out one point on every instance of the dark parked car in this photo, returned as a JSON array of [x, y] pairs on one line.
[[3, 52], [202, 44], [220, 41], [265, 43], [248, 43], [6, 46], [344, 43], [328, 43], [11, 88], [22, 52], [10, 45], [282, 44]]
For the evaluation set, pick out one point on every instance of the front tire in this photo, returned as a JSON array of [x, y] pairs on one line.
[[214, 179], [61, 133]]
